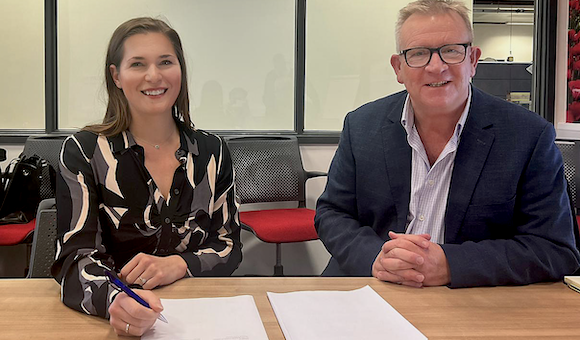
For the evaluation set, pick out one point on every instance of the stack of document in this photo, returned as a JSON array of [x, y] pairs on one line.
[[573, 282], [308, 315], [339, 315], [231, 318]]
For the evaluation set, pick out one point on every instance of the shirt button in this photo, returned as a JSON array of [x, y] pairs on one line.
[[421, 218], [431, 182], [176, 191], [167, 220]]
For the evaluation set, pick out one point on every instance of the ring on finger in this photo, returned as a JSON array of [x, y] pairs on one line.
[[143, 281], [127, 328]]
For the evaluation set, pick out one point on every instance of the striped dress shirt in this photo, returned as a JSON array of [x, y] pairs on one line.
[[430, 184]]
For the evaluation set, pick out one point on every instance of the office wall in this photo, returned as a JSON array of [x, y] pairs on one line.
[[494, 41]]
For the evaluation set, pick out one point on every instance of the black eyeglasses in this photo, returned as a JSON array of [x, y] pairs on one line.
[[421, 56]]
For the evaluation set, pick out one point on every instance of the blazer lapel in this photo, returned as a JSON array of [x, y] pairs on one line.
[[398, 161], [473, 149]]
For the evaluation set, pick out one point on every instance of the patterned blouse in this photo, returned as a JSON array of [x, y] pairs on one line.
[[110, 209]]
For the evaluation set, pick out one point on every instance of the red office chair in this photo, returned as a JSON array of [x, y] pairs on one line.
[[269, 169]]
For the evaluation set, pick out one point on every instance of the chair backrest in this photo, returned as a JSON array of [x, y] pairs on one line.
[[44, 242], [48, 148], [267, 169], [571, 155]]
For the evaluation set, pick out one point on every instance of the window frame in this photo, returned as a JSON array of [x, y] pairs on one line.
[[543, 79]]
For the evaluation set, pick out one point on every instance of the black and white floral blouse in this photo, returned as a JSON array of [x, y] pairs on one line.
[[110, 209]]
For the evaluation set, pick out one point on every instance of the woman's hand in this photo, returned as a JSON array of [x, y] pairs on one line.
[[150, 271], [130, 318]]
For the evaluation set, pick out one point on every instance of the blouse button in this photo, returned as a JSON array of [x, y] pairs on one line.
[[167, 220], [176, 191]]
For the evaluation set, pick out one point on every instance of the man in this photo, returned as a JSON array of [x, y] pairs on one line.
[[443, 184]]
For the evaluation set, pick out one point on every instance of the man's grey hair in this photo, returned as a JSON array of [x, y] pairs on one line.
[[429, 7]]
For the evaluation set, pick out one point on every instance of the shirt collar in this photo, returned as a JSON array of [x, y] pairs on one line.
[[408, 116], [125, 141]]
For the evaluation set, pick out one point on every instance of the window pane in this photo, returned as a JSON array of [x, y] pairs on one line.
[[22, 57], [505, 35], [348, 49], [239, 54]]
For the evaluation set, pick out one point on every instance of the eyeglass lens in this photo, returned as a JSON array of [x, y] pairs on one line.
[[450, 54]]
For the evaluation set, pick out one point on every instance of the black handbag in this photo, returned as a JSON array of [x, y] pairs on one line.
[[21, 184]]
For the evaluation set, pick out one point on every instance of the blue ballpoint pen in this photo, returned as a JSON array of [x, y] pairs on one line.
[[115, 281]]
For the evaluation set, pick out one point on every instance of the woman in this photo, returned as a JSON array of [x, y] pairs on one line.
[[144, 193]]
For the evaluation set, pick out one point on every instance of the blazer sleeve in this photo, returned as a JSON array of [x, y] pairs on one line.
[[81, 257], [353, 244], [221, 252], [542, 247]]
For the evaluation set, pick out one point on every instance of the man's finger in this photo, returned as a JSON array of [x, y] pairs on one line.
[[409, 275], [384, 275], [403, 243], [406, 255], [421, 240]]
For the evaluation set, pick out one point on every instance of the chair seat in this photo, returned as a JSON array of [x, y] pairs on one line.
[[281, 225], [12, 234]]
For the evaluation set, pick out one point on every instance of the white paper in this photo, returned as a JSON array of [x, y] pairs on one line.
[[228, 318], [339, 315]]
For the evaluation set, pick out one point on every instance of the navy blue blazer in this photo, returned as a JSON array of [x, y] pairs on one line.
[[508, 218]]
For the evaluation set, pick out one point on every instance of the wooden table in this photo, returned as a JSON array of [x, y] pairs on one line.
[[31, 308]]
